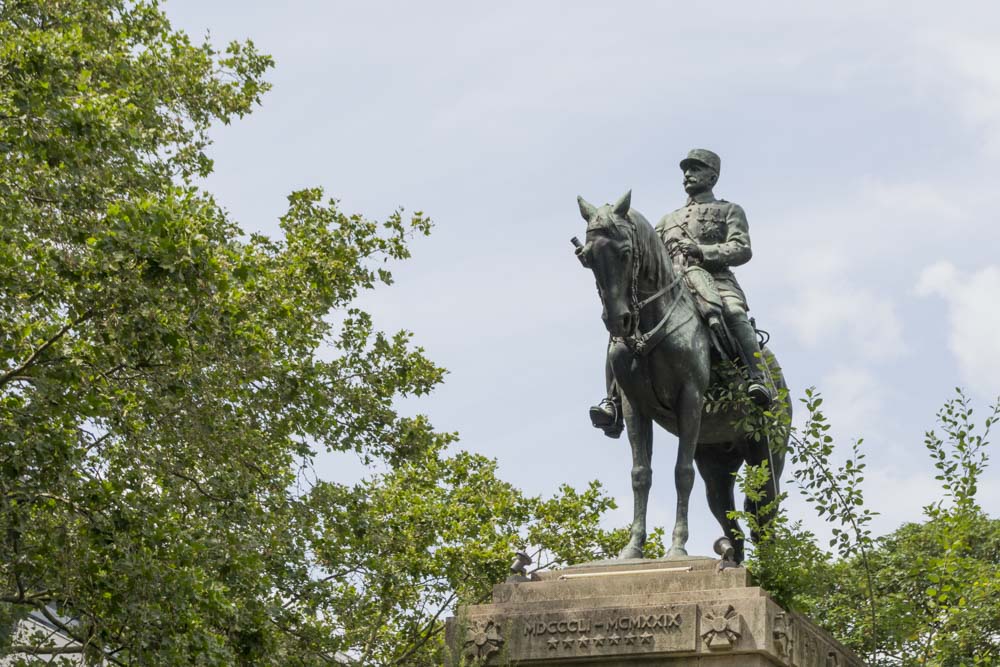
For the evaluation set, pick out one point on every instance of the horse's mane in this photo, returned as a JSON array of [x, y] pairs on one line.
[[650, 250], [655, 264]]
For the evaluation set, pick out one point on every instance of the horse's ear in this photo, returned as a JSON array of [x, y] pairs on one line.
[[587, 210], [624, 204]]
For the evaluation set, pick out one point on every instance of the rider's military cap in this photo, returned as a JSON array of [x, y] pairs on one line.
[[705, 157]]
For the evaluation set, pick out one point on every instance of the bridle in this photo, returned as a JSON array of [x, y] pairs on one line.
[[640, 343]]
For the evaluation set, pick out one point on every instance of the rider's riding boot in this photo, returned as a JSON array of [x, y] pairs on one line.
[[746, 337], [607, 416]]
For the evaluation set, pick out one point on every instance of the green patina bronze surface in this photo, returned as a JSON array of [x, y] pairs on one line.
[[673, 306]]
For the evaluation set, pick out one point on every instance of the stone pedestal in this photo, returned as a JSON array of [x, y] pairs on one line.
[[676, 613]]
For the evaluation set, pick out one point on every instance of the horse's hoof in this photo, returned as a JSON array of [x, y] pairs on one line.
[[725, 564], [629, 552], [677, 552]]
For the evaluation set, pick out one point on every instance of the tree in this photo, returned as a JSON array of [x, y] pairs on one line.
[[430, 534], [927, 593], [162, 398]]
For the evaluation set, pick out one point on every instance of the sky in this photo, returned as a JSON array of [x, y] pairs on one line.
[[862, 139]]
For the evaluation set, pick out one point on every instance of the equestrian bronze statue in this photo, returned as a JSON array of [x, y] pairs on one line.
[[673, 307]]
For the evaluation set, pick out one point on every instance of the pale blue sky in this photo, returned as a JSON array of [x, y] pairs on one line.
[[863, 140]]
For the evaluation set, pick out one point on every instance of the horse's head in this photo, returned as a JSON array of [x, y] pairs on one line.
[[610, 253]]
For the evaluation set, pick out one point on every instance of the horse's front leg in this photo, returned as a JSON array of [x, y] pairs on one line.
[[689, 406], [640, 437]]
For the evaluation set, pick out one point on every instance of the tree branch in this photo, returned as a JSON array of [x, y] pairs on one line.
[[429, 630], [65, 629], [14, 372], [858, 534], [24, 597], [197, 485], [42, 650]]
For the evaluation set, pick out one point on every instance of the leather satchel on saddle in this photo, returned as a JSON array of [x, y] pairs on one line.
[[709, 302]]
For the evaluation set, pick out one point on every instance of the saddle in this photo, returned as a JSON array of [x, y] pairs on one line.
[[708, 302]]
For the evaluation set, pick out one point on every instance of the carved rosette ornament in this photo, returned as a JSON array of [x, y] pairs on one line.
[[722, 628], [483, 640]]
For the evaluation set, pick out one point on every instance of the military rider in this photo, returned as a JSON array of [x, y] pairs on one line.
[[712, 234]]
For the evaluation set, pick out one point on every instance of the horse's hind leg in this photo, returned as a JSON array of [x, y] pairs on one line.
[[640, 437], [718, 465]]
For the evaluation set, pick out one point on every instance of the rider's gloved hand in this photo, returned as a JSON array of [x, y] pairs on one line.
[[692, 250], [580, 250]]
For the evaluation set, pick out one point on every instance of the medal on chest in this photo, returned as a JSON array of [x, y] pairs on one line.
[[710, 222]]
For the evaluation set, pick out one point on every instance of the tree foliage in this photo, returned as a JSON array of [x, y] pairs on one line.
[[406, 547], [927, 593], [166, 382]]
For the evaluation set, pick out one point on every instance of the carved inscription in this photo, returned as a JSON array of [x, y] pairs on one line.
[[606, 632], [612, 626]]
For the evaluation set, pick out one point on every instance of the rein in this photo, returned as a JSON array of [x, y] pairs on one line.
[[643, 343]]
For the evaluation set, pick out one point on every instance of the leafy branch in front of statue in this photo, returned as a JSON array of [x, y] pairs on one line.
[[785, 558], [936, 596], [728, 394], [836, 493]]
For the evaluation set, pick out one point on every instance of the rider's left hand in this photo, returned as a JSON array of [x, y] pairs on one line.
[[692, 250]]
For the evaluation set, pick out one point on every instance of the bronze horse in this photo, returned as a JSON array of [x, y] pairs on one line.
[[661, 357]]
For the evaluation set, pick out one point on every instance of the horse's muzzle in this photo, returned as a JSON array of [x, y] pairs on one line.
[[620, 325]]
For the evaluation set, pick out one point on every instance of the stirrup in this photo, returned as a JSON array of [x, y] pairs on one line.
[[607, 416], [759, 393]]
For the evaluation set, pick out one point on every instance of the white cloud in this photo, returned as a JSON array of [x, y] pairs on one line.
[[830, 309], [859, 232], [974, 67], [853, 401], [973, 320], [844, 297], [930, 203]]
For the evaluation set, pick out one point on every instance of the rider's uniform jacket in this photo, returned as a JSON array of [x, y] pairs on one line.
[[720, 229]]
